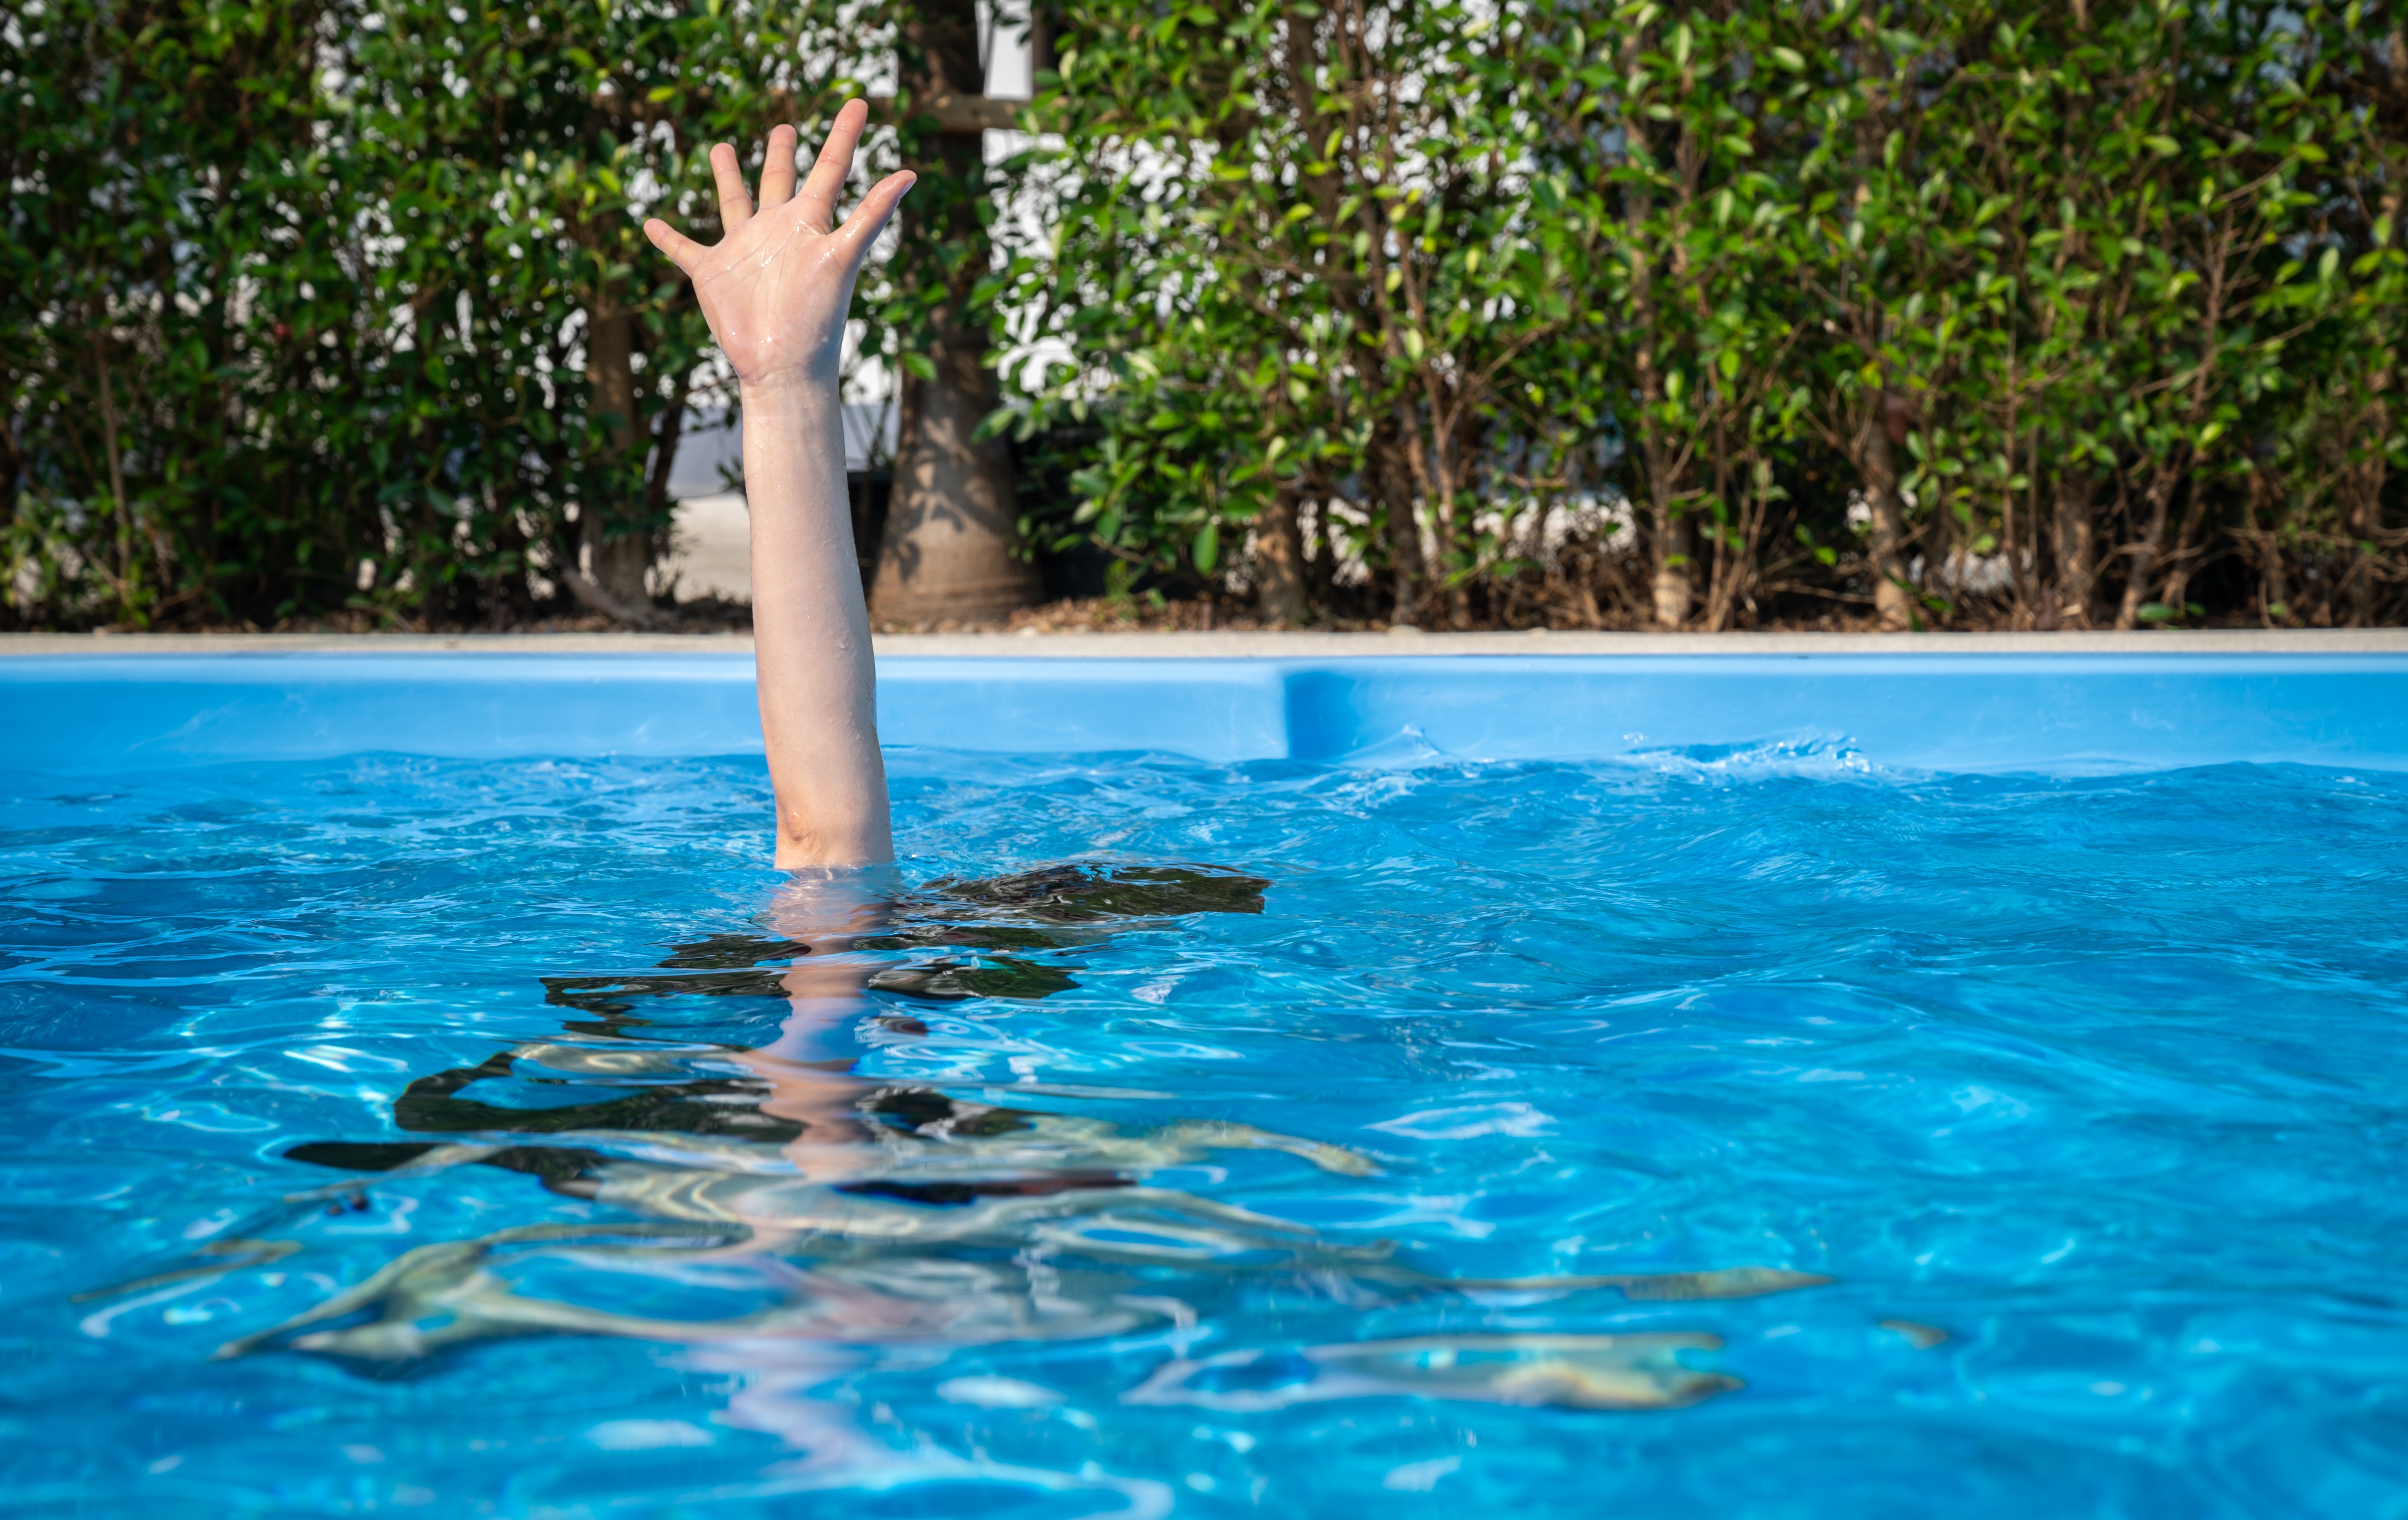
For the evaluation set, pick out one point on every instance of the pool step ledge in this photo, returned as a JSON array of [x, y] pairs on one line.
[[1961, 708]]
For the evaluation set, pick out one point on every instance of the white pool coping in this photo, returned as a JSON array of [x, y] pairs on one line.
[[1234, 645]]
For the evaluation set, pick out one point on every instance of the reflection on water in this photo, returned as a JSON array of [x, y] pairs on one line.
[[2069, 1082], [1086, 892], [1576, 1372], [830, 1210]]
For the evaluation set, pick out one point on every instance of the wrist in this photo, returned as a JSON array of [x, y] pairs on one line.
[[794, 392]]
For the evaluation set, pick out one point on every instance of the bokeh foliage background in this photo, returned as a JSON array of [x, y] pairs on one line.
[[310, 307], [1920, 312]]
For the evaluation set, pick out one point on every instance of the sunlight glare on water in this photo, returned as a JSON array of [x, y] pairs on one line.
[[1751, 1133]]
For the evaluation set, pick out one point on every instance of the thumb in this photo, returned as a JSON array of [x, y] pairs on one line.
[[869, 219], [683, 250]]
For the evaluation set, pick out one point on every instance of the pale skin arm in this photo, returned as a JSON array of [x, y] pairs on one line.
[[776, 292]]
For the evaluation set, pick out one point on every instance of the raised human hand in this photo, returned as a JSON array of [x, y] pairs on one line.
[[777, 288]]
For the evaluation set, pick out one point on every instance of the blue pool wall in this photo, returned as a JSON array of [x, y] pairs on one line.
[[92, 714]]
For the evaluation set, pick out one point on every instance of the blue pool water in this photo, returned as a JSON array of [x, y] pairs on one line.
[[2083, 1091]]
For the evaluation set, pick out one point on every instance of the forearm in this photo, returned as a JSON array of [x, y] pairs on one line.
[[811, 632], [776, 290]]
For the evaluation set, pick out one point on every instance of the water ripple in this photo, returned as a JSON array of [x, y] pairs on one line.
[[1687, 1133]]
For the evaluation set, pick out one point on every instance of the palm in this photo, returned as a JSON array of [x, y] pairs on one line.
[[777, 288]]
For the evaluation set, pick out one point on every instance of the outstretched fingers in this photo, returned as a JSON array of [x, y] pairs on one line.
[[778, 168], [735, 205], [835, 161], [683, 250], [876, 209]]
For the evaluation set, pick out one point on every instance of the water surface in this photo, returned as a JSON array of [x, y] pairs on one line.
[[1755, 1133]]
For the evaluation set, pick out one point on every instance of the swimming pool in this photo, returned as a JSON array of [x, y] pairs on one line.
[[1764, 1087]]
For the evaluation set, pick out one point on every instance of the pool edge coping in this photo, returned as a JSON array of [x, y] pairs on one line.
[[1249, 645]]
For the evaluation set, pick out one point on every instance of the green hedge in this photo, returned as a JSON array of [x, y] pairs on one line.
[[1929, 311], [1939, 311], [307, 307]]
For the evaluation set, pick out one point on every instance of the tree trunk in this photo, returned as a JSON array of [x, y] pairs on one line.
[[1673, 535], [1321, 571], [2264, 547], [2178, 567], [616, 539], [124, 508], [952, 524], [1676, 551], [1279, 562], [2143, 555], [1892, 601], [2077, 551], [947, 553], [2361, 493], [1670, 534], [1392, 483]]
